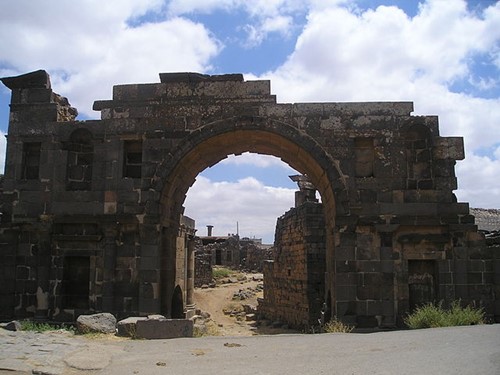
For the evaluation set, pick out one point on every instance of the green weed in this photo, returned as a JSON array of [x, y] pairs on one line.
[[431, 316], [29, 325], [221, 272]]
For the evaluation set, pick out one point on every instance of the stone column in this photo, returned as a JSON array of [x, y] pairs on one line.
[[42, 254], [109, 263], [190, 304]]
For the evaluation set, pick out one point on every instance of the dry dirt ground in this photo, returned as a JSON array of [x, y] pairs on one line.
[[219, 303]]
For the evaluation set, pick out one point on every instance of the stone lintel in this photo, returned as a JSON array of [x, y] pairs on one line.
[[354, 109], [449, 148], [164, 328], [191, 77], [37, 79]]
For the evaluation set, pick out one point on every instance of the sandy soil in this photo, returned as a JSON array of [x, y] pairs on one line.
[[216, 300]]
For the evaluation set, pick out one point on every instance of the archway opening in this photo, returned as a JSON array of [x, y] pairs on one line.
[[177, 304], [241, 195], [214, 142]]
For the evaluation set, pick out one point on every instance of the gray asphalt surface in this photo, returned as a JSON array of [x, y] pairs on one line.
[[454, 350]]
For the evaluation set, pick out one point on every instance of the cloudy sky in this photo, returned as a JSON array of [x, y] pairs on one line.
[[444, 55]]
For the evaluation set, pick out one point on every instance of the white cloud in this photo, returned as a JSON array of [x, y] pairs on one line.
[[264, 16], [257, 8], [257, 33], [255, 208], [345, 54], [89, 47], [257, 160], [479, 184], [3, 149]]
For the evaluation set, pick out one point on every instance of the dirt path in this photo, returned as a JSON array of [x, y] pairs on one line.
[[216, 300]]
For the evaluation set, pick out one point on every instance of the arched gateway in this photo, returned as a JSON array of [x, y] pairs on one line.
[[102, 230]]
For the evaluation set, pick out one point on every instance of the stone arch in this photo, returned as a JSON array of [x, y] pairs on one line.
[[213, 142]]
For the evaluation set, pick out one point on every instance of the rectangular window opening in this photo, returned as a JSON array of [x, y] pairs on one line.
[[31, 160], [132, 159], [364, 157]]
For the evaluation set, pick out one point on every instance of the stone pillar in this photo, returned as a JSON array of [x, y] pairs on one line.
[[109, 269], [42, 293], [42, 254], [190, 304]]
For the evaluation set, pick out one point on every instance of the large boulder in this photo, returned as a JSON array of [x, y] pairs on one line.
[[101, 323], [128, 327], [155, 327]]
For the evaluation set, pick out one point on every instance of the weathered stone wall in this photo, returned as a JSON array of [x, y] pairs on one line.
[[294, 280], [254, 255], [493, 245], [203, 266], [91, 209]]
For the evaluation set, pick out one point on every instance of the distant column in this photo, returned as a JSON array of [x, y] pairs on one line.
[[190, 304]]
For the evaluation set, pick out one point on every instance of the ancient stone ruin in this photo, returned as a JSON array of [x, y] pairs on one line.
[[92, 210]]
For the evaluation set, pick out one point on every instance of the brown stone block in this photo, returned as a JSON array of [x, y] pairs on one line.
[[368, 292], [368, 266], [346, 292], [479, 292], [474, 277], [449, 148], [388, 253], [346, 278]]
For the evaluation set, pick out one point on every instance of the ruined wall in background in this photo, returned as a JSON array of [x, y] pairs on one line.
[[203, 265]]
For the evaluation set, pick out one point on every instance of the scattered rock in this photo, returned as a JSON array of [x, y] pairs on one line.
[[101, 323], [249, 309], [250, 317], [232, 345], [127, 327], [12, 326], [156, 317], [164, 328], [243, 294]]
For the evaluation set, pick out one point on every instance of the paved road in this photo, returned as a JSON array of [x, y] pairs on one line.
[[459, 350]]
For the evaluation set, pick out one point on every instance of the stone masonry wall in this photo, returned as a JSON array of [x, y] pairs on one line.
[[91, 209], [203, 266], [294, 285]]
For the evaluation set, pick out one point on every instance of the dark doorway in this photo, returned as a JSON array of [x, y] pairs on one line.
[[421, 282], [218, 257], [177, 304], [75, 284]]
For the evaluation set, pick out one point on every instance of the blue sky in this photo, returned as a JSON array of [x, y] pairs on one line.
[[444, 55]]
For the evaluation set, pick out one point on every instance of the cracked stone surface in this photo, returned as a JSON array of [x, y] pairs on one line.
[[50, 353]]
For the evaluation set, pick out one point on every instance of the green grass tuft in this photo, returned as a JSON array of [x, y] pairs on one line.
[[221, 272], [29, 325], [431, 316]]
